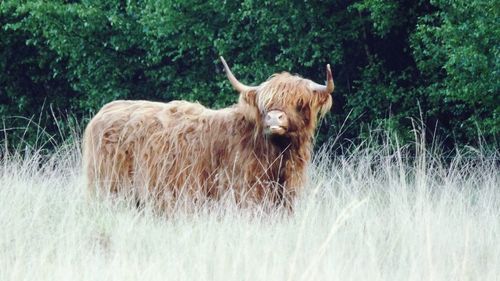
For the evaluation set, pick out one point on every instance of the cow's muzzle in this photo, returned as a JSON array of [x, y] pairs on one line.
[[276, 123]]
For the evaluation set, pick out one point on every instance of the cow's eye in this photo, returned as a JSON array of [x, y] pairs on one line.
[[299, 105]]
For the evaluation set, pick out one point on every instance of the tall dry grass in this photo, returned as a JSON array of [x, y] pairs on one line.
[[379, 212]]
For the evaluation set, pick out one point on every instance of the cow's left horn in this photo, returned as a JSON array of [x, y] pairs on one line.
[[237, 85], [328, 88]]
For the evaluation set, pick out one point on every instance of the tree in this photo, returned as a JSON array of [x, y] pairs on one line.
[[392, 60], [458, 49]]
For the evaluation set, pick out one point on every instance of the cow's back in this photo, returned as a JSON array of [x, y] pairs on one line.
[[133, 145]]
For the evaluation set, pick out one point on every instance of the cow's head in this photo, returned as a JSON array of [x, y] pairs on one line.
[[286, 104]]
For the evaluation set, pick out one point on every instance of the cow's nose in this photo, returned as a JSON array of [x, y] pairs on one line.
[[276, 122], [277, 115]]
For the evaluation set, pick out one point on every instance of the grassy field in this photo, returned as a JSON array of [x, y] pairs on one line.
[[377, 213]]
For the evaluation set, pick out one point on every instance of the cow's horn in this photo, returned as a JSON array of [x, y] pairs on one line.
[[237, 85], [328, 88]]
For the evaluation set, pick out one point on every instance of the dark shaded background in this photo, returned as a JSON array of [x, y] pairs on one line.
[[395, 62]]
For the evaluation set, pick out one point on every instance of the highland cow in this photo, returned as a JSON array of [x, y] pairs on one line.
[[257, 150]]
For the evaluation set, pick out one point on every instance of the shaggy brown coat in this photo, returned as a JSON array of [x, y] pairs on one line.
[[167, 150]]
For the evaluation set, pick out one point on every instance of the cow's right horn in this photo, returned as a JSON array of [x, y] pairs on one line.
[[328, 88], [237, 85]]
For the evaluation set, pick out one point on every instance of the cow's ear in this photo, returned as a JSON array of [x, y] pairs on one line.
[[324, 102], [322, 98], [250, 97]]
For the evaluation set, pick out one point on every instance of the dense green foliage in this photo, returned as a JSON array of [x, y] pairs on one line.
[[394, 61]]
